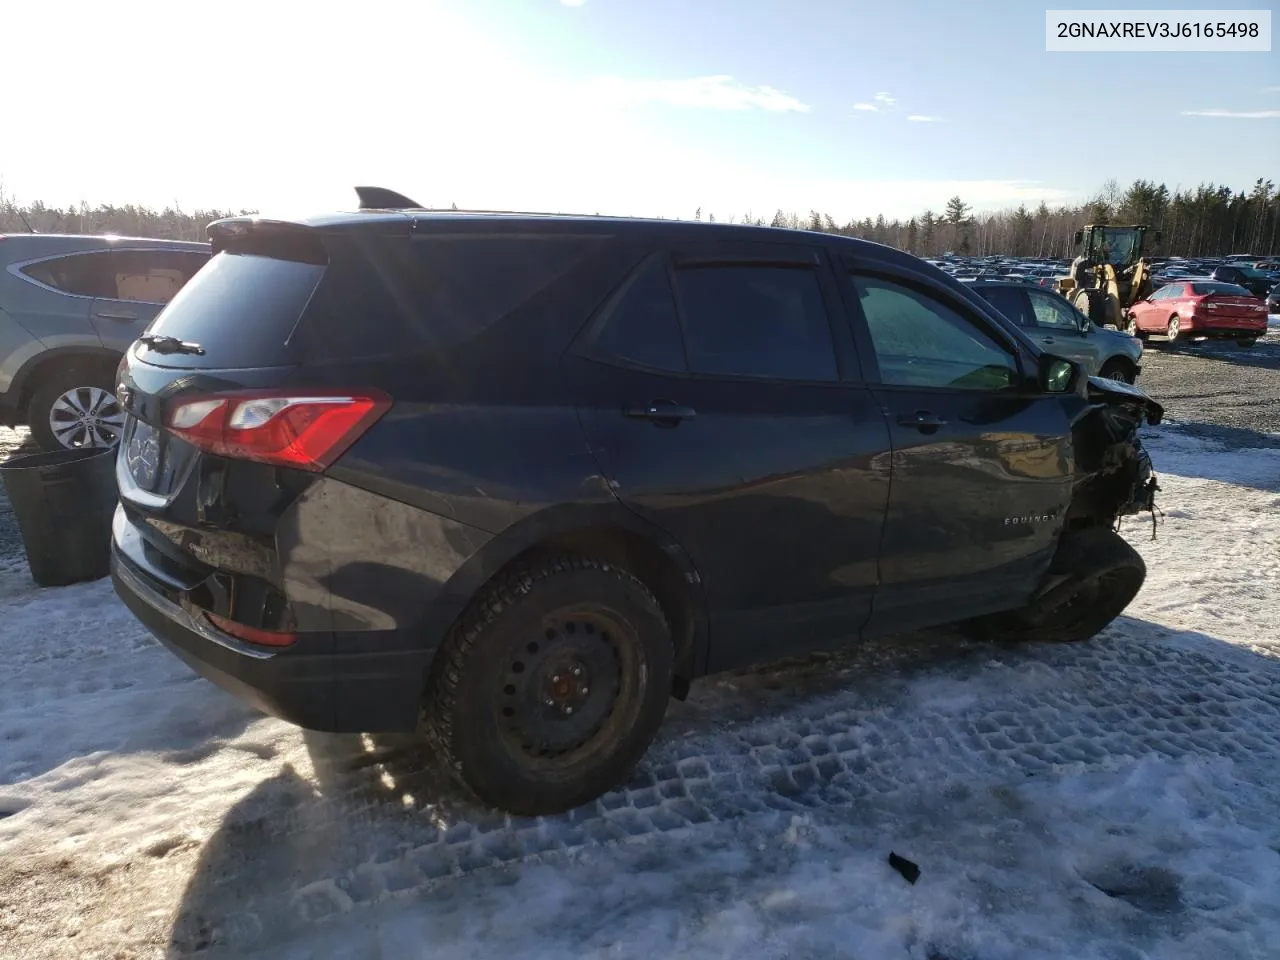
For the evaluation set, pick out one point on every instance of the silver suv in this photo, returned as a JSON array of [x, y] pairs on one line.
[[69, 308], [1059, 328]]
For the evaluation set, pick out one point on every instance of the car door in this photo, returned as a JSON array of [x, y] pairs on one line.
[[982, 462], [138, 285], [1149, 313], [724, 406], [1064, 331], [54, 303]]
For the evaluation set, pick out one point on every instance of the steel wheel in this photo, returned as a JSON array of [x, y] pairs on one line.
[[86, 417], [561, 687], [550, 688]]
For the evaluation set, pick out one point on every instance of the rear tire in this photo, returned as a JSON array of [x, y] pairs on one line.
[[73, 408], [1118, 369], [1094, 305], [1105, 574], [551, 686]]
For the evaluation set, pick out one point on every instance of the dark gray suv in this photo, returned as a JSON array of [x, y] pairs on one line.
[[69, 307]]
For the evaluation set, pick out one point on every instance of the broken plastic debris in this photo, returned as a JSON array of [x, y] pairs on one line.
[[910, 872]]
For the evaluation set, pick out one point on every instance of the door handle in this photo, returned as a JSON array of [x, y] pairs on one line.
[[1048, 340], [664, 413], [922, 420], [117, 316]]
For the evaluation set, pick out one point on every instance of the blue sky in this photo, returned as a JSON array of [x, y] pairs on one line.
[[623, 106]]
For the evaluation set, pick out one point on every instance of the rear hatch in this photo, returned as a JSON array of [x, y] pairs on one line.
[[221, 437]]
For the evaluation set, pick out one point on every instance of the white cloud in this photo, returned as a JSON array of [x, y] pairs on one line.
[[574, 3], [1234, 114], [720, 92], [868, 107], [921, 118], [1271, 89], [885, 98]]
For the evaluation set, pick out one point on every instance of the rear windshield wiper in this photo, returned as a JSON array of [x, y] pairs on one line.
[[162, 344]]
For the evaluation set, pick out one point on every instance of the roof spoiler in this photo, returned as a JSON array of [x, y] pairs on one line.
[[380, 198]]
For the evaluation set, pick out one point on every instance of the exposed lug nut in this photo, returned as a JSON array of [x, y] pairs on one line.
[[568, 709], [584, 691], [577, 671], [549, 702]]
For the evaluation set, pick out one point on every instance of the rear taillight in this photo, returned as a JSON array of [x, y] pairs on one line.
[[264, 638], [282, 428]]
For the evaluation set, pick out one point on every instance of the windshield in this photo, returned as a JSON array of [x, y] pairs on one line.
[[1114, 245]]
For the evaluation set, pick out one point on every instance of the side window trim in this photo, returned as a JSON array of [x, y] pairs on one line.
[[797, 256], [851, 267]]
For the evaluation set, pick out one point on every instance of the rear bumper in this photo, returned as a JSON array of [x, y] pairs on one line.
[[1232, 329], [306, 685]]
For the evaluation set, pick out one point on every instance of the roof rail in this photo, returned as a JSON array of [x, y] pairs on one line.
[[380, 198]]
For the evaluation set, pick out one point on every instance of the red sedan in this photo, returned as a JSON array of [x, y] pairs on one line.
[[1192, 309]]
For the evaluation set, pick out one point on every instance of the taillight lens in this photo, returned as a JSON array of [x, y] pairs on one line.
[[282, 428]]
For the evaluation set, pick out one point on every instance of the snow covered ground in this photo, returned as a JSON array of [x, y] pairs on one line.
[[1117, 799]]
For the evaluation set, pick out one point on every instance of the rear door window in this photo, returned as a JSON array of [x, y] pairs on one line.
[[756, 321], [241, 308], [1009, 301], [1052, 313], [150, 276]]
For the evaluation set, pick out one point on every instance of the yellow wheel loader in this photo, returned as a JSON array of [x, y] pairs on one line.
[[1110, 274]]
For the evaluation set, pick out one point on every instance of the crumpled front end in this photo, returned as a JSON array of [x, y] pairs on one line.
[[1115, 477]]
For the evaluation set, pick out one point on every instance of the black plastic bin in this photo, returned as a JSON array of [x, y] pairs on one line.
[[63, 502]]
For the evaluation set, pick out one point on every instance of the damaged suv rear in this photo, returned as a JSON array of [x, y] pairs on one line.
[[513, 481]]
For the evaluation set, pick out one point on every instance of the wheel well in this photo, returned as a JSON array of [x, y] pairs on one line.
[[1120, 359], [656, 569], [49, 365]]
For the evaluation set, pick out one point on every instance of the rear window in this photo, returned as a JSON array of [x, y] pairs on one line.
[[1221, 289], [241, 308]]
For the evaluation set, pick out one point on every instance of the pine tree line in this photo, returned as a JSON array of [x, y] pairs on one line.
[[1207, 220]]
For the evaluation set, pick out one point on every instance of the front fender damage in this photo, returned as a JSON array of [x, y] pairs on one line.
[[1114, 476]]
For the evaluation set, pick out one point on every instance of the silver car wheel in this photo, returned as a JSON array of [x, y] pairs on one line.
[[86, 417]]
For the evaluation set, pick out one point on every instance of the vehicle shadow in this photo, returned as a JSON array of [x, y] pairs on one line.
[[1264, 355], [861, 731]]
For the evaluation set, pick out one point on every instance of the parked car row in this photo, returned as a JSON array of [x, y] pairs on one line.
[[562, 466]]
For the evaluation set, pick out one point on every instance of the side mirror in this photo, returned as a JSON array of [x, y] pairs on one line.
[[1079, 237], [1058, 375], [1159, 236]]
